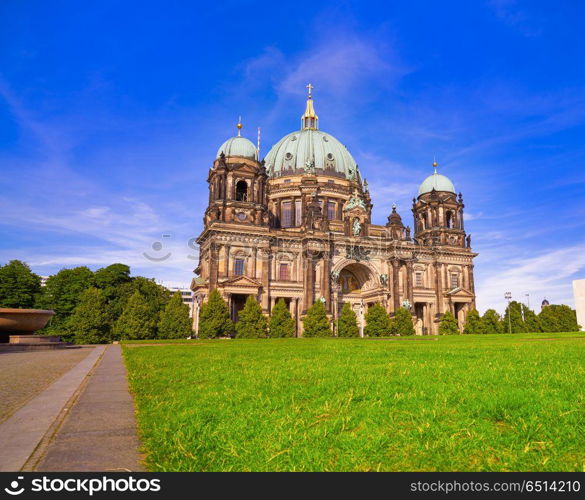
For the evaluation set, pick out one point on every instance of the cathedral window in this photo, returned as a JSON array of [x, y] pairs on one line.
[[418, 279], [298, 212], [283, 272], [242, 191], [239, 267], [449, 220], [287, 214], [331, 210], [454, 280]]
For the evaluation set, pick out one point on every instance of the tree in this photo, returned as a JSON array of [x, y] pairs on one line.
[[110, 279], [156, 295], [137, 321], [62, 293], [402, 323], [513, 318], [531, 321], [473, 323], [347, 323], [175, 322], [251, 322], [448, 325], [377, 322], [112, 276], [492, 322], [214, 318], [19, 286], [282, 323], [558, 318], [315, 322], [91, 321]]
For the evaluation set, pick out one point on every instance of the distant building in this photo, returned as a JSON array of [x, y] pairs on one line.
[[44, 280], [579, 293]]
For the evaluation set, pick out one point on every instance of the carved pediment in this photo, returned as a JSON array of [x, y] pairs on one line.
[[459, 292], [241, 281]]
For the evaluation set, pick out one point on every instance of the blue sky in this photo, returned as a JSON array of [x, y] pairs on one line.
[[111, 114]]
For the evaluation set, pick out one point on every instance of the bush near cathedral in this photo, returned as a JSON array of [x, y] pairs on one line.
[[347, 323], [282, 323], [316, 323], [251, 322], [402, 323]]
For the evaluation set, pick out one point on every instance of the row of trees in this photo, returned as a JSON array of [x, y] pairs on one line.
[[109, 304], [97, 307], [518, 318], [214, 321]]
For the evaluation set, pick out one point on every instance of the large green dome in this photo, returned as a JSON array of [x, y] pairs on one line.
[[308, 149]]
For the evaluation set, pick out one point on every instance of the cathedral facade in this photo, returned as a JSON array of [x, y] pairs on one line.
[[297, 226]]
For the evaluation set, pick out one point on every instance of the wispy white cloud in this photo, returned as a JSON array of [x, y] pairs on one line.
[[547, 274]]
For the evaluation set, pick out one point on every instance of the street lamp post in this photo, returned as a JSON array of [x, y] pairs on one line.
[[508, 297]]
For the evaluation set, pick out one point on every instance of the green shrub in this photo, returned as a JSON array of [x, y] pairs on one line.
[[492, 322], [137, 321], [282, 323], [315, 322], [473, 323], [402, 323], [91, 321], [251, 322], [448, 325], [347, 322], [214, 318], [175, 322], [377, 322]]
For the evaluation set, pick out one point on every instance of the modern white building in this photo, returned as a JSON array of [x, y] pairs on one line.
[[579, 294]]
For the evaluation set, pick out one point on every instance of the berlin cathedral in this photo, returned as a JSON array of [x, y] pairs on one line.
[[297, 226]]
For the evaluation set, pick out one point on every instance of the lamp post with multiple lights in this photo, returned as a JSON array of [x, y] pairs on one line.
[[508, 297]]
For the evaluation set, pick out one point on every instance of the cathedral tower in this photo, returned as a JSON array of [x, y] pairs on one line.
[[237, 184]]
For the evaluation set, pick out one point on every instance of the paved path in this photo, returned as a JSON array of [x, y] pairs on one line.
[[24, 431], [25, 374], [99, 433]]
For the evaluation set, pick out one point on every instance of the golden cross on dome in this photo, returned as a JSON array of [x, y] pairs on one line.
[[310, 87]]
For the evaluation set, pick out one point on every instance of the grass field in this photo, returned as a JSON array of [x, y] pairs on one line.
[[463, 403]]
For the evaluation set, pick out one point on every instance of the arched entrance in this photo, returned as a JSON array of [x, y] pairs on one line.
[[358, 285]]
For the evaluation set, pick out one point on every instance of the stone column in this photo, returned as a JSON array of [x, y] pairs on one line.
[[213, 265], [325, 281], [396, 284], [254, 257], [308, 282], [227, 260], [409, 289], [439, 287], [266, 257]]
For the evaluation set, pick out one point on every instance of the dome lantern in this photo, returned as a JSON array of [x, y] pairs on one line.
[[310, 120]]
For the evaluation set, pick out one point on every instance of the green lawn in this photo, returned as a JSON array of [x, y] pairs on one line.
[[465, 403]]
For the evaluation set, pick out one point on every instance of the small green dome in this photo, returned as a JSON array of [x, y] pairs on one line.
[[437, 182], [238, 146]]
